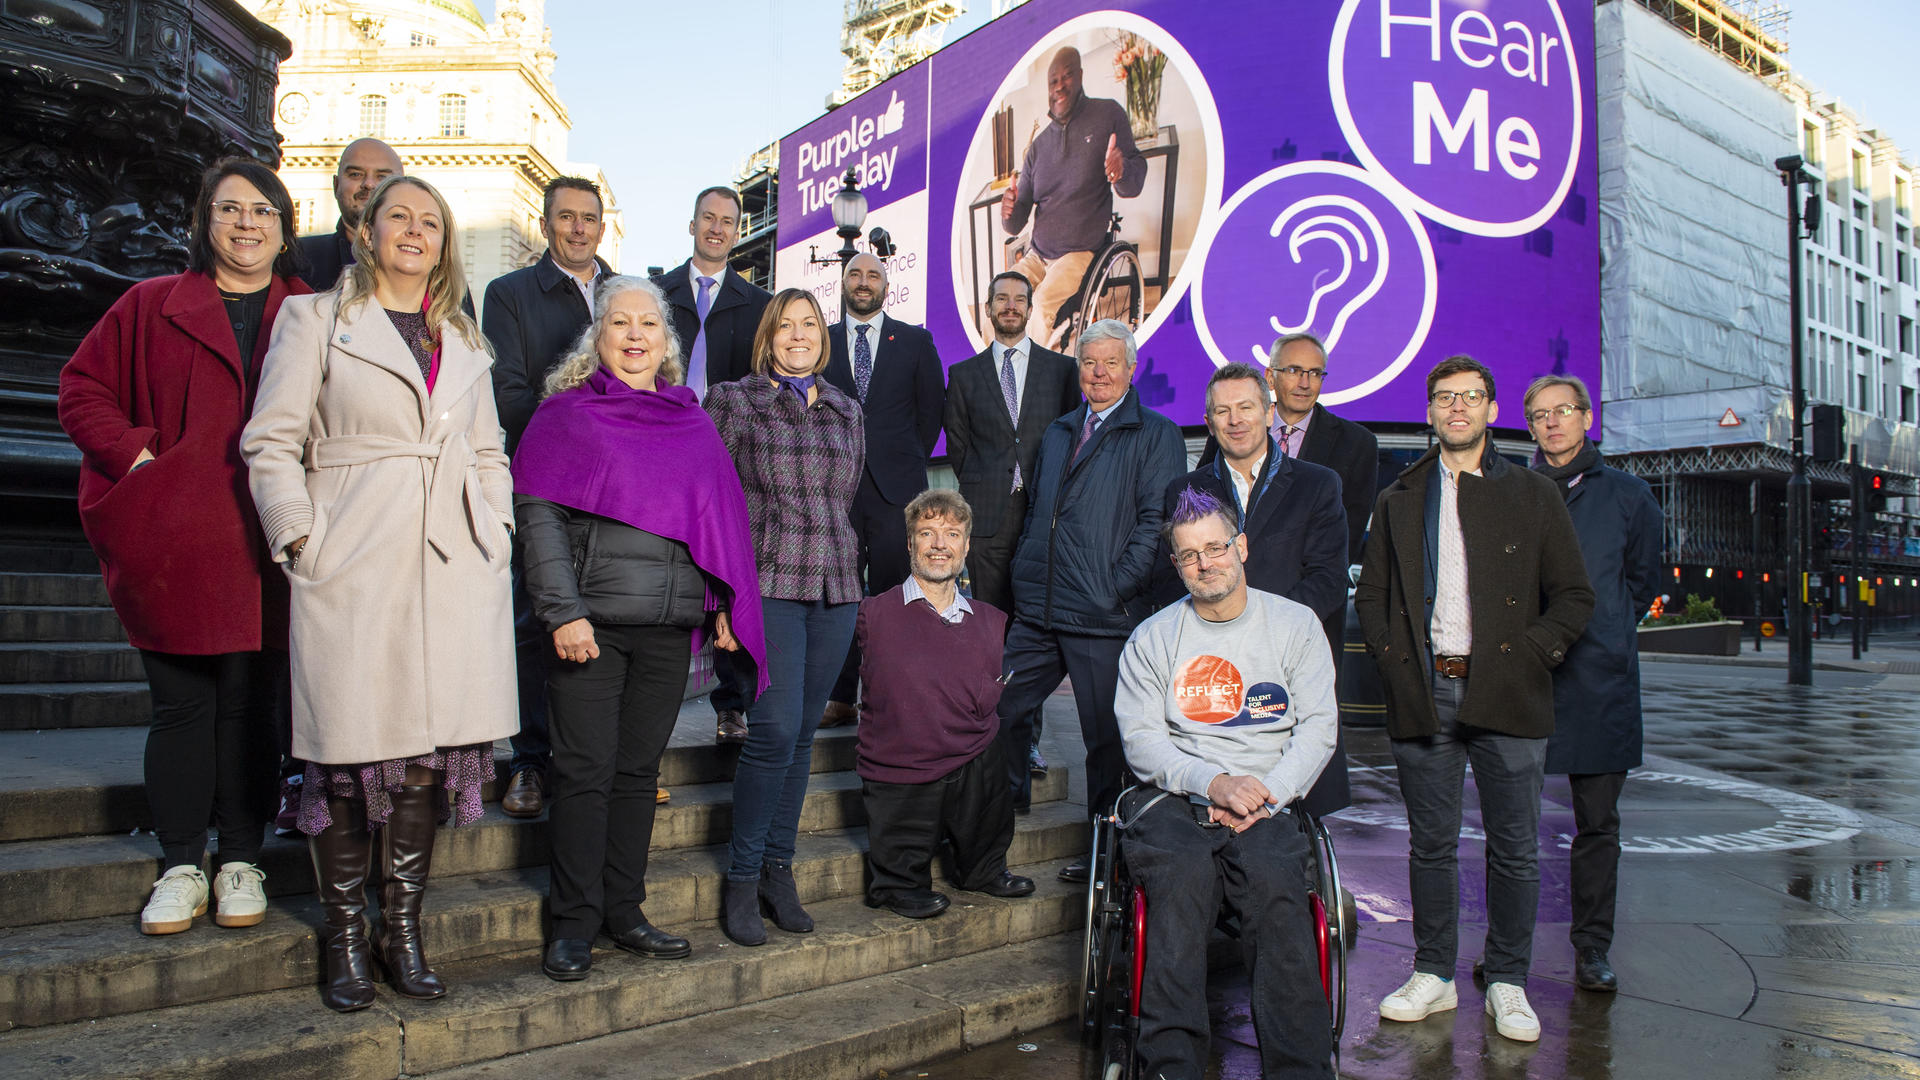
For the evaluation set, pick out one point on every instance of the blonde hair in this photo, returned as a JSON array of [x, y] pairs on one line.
[[446, 282], [583, 358], [770, 321]]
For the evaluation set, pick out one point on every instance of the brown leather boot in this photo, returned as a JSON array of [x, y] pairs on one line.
[[340, 858], [407, 846]]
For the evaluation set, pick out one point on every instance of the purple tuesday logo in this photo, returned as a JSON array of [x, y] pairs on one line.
[[1474, 118], [1310, 246]]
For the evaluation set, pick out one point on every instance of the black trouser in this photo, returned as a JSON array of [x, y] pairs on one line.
[[532, 648], [990, 558], [1188, 870], [1595, 860], [1039, 659], [610, 721], [882, 531], [212, 751], [905, 823]]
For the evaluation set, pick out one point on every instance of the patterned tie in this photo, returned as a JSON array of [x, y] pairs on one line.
[[862, 362], [1011, 392], [697, 357], [1287, 434], [1086, 431]]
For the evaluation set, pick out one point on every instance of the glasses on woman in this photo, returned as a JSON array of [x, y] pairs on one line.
[[227, 213], [1564, 412], [1446, 398], [1185, 559]]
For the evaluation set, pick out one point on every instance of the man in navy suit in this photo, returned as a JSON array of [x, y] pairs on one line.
[[364, 163], [715, 315], [892, 369], [1290, 514]]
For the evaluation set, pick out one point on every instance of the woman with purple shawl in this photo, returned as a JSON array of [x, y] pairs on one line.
[[629, 571]]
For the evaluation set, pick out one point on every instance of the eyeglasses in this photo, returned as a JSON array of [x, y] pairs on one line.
[[226, 213], [1446, 398], [1184, 559], [1295, 371], [1564, 412]]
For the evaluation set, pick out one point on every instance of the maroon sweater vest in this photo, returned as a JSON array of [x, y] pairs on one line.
[[928, 689]]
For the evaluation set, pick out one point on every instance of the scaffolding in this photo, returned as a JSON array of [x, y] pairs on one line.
[[1751, 33], [883, 37]]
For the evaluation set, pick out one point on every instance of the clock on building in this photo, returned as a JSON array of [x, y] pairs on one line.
[[293, 107]]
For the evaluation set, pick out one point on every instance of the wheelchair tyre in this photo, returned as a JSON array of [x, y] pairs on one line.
[[1113, 288]]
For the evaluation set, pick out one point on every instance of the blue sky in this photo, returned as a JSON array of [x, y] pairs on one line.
[[668, 98]]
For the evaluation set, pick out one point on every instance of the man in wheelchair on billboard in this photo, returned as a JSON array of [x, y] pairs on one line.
[[1227, 710]]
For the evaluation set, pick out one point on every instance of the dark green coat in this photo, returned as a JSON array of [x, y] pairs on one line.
[[1526, 584]]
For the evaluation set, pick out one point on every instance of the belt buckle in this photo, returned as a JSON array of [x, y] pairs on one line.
[[1453, 667]]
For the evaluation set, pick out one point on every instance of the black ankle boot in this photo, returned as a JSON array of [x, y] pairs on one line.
[[740, 913], [340, 858], [407, 843], [781, 898]]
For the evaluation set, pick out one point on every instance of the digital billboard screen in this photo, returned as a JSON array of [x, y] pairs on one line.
[[1407, 179]]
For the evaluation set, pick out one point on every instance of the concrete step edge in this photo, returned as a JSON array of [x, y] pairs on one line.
[[503, 1005], [44, 881], [95, 968]]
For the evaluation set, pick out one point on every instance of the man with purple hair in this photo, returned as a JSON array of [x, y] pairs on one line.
[[1227, 715]]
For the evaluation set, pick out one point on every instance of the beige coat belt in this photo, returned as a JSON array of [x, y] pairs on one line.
[[451, 503]]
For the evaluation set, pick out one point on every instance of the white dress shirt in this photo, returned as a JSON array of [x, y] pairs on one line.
[[1022, 352], [1452, 628]]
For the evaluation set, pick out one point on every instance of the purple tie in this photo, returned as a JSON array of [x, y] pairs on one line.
[[1286, 439], [1086, 431], [862, 361], [697, 356], [1012, 394]]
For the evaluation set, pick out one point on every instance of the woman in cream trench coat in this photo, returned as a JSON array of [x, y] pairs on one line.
[[376, 465]]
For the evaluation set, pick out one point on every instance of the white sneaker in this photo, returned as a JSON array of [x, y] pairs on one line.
[[178, 898], [1420, 997], [238, 896], [1512, 1016]]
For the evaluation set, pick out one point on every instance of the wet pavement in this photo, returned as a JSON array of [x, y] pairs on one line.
[[1769, 905]]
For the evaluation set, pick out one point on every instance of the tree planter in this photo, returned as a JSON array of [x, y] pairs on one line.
[[1698, 639]]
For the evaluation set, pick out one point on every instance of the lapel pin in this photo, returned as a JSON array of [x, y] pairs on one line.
[[346, 339]]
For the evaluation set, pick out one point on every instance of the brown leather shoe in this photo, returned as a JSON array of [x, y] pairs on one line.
[[524, 798], [660, 796], [837, 714], [730, 726]]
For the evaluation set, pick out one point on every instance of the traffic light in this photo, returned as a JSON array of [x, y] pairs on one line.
[[1829, 433], [1876, 492]]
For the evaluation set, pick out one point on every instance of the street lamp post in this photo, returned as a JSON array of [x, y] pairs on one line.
[[849, 213], [1799, 487]]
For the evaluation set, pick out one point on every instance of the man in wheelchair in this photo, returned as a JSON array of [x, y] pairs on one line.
[[1227, 711]]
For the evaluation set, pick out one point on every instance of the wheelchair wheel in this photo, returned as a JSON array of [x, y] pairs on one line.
[[1335, 915], [1118, 1022]]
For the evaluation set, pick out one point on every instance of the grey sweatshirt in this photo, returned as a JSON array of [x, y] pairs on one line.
[[1253, 696]]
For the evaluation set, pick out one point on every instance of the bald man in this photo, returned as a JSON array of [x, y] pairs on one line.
[[1066, 184], [891, 368], [363, 165]]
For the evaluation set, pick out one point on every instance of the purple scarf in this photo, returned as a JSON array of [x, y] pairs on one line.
[[655, 462]]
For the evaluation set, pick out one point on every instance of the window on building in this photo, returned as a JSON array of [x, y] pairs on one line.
[[453, 116], [1906, 405], [1906, 335], [1860, 391], [1860, 244], [1845, 251], [373, 116], [416, 39], [1859, 170], [1902, 196], [1810, 142]]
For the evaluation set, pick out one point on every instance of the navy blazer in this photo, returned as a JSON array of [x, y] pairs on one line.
[[530, 318], [983, 443], [327, 254], [1296, 534], [1351, 451], [905, 400], [731, 322]]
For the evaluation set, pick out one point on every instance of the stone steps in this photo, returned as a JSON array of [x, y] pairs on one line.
[[56, 705], [846, 998], [76, 590], [70, 661], [88, 969], [57, 784], [86, 877], [59, 622]]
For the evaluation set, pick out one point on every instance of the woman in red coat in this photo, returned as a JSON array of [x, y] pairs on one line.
[[155, 398]]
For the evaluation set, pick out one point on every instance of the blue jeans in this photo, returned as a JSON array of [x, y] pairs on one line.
[[1507, 772], [806, 644]]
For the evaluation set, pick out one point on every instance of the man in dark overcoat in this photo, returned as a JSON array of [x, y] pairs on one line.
[[1471, 591], [1596, 692]]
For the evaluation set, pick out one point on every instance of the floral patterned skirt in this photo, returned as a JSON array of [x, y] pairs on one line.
[[463, 770]]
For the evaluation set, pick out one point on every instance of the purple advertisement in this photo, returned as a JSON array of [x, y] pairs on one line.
[[1408, 179]]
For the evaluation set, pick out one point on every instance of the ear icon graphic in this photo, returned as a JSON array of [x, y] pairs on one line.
[[1350, 239]]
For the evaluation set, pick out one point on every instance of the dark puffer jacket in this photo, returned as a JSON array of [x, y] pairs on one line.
[[584, 566], [1086, 557]]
